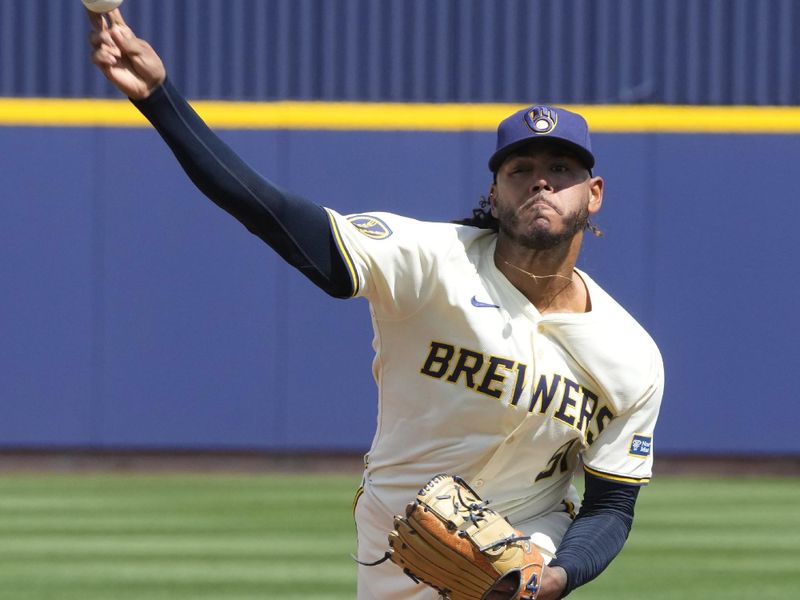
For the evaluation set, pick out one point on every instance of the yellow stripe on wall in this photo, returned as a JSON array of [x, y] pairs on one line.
[[364, 116], [54, 112]]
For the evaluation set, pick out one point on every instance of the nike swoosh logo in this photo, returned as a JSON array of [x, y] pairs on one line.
[[477, 303]]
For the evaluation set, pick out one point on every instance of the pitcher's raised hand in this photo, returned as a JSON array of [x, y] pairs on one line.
[[130, 63]]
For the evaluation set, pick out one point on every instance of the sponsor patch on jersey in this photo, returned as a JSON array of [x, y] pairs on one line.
[[370, 226], [641, 445]]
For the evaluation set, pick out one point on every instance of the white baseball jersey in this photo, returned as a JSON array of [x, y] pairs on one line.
[[474, 381]]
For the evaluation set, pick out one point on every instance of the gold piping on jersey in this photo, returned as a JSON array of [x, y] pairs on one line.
[[359, 493], [620, 478], [569, 508], [348, 260]]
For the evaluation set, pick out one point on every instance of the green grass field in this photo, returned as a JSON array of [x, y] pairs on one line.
[[243, 537]]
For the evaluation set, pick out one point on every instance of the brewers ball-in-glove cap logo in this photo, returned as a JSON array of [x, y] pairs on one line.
[[541, 119], [543, 124]]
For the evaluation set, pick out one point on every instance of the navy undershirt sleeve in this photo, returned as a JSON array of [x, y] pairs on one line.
[[296, 228], [598, 532]]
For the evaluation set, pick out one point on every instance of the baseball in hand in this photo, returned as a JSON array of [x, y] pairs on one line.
[[101, 6]]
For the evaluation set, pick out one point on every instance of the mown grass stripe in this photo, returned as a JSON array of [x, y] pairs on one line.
[[79, 537], [306, 543]]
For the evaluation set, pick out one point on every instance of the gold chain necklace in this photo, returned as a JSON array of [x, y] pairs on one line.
[[535, 277]]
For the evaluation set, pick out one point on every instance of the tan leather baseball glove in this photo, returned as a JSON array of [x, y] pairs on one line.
[[450, 540]]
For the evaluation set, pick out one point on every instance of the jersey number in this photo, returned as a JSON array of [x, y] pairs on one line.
[[560, 460]]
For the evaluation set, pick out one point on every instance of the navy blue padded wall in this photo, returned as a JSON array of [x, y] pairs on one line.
[[137, 314], [568, 51]]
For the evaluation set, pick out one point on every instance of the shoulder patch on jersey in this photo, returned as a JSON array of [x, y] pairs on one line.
[[370, 226], [641, 445]]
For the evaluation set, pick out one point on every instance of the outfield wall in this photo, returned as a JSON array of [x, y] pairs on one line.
[[136, 314], [706, 52]]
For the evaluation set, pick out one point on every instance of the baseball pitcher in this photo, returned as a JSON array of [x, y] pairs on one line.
[[502, 370]]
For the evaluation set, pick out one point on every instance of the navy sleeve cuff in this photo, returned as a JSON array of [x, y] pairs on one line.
[[599, 531]]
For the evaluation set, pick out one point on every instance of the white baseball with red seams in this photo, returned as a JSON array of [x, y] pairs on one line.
[[101, 6]]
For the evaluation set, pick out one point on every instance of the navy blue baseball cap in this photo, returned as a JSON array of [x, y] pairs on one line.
[[542, 123]]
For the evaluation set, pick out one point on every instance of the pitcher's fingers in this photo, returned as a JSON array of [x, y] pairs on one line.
[[125, 39], [103, 58], [102, 39], [97, 20], [146, 59], [116, 17]]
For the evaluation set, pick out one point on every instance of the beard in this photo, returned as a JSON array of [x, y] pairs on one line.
[[542, 237]]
